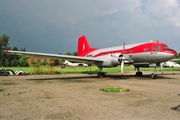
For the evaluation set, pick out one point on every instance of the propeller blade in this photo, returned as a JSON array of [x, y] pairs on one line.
[[162, 68], [122, 67]]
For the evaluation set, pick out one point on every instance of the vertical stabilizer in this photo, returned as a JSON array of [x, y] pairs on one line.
[[83, 47]]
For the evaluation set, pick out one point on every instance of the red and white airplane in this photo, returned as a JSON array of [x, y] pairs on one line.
[[149, 54]]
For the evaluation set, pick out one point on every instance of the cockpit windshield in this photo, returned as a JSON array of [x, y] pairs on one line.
[[165, 47]]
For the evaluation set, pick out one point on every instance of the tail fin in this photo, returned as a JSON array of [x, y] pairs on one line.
[[83, 47]]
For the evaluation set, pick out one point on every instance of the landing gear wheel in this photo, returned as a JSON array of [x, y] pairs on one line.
[[100, 74], [139, 74], [153, 76]]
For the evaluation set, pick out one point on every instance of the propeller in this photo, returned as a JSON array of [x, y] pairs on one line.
[[121, 59]]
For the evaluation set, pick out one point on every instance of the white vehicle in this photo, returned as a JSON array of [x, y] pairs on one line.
[[148, 54], [171, 64], [75, 64]]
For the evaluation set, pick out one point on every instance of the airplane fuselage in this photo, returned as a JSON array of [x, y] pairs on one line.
[[142, 54]]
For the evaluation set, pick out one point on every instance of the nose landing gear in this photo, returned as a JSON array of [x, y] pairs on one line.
[[153, 75]]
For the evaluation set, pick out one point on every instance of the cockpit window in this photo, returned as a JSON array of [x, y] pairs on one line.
[[164, 47]]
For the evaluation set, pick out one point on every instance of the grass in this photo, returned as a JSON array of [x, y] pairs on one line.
[[114, 89], [14, 94], [86, 70], [1, 89]]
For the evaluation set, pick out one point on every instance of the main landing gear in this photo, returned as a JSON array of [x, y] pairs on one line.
[[99, 74], [138, 73], [153, 75]]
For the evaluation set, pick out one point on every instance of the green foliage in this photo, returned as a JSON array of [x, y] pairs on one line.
[[68, 53], [23, 49], [33, 63], [60, 54], [23, 60], [74, 54], [15, 48], [178, 56], [114, 89], [4, 41], [43, 63], [94, 69], [14, 63], [56, 61]]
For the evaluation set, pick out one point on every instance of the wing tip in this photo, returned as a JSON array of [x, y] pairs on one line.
[[5, 51]]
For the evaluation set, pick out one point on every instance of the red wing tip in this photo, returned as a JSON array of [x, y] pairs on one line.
[[121, 74], [5, 51]]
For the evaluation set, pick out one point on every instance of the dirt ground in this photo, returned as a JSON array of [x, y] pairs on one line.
[[77, 97]]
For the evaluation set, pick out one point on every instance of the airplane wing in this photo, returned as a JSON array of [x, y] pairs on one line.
[[67, 57]]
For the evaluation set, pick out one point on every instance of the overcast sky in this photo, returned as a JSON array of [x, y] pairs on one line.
[[54, 26]]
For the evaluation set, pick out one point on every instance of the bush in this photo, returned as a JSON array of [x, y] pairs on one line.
[[33, 63], [23, 60]]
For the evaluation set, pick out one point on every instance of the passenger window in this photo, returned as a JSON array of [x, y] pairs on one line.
[[159, 47], [110, 53], [145, 49], [125, 51], [114, 52], [105, 53], [130, 51], [101, 54], [156, 47]]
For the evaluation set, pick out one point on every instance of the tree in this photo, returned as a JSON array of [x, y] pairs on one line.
[[23, 60], [60, 54], [68, 53], [23, 49], [74, 54], [4, 41], [15, 48]]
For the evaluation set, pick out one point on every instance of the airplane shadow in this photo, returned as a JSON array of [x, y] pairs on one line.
[[144, 77], [107, 77]]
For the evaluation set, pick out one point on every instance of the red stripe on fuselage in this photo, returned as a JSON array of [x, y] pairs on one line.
[[146, 47]]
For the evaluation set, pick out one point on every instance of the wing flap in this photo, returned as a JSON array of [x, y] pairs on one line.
[[67, 57]]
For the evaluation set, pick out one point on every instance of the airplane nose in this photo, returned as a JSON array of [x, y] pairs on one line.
[[172, 51]]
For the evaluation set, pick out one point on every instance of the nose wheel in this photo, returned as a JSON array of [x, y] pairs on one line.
[[153, 76]]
